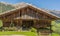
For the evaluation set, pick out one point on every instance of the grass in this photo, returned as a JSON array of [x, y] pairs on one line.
[[55, 34], [18, 33], [23, 33]]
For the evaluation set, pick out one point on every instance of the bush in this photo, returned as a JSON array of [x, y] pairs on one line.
[[10, 28], [11, 25], [6, 28], [33, 30], [1, 28]]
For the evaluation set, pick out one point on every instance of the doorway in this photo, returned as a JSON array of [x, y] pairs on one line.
[[27, 24]]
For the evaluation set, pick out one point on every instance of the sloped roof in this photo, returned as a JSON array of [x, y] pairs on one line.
[[22, 5]]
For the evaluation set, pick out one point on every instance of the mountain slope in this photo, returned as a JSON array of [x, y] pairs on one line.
[[5, 7]]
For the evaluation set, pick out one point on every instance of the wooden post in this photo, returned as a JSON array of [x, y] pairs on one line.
[[17, 22], [34, 23], [51, 28], [21, 24]]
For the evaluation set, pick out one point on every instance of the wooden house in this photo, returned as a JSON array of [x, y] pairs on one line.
[[28, 15]]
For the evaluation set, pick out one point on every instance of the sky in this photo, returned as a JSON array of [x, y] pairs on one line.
[[46, 4]]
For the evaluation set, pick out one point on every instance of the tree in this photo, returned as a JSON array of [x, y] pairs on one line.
[[56, 27], [1, 23]]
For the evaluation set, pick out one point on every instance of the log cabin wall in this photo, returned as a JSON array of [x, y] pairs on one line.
[[10, 17], [38, 14], [42, 23], [26, 11], [34, 14]]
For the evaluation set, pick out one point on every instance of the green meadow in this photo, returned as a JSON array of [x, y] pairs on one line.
[[18, 33]]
